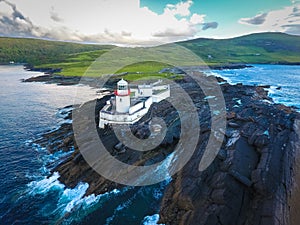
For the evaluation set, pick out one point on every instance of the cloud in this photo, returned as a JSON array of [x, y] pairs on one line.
[[102, 21], [211, 25], [197, 19], [292, 28], [181, 9], [54, 16], [14, 23], [285, 20], [256, 20]]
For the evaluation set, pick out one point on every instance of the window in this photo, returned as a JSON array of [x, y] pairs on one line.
[[122, 87]]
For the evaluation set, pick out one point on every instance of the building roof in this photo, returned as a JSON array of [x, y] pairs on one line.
[[122, 82]]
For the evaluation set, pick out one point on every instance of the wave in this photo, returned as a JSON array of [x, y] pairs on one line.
[[68, 121], [63, 112], [151, 220], [140, 197], [49, 161], [45, 185], [68, 200], [120, 207], [216, 74]]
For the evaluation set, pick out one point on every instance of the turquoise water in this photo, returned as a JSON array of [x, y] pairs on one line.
[[283, 76]]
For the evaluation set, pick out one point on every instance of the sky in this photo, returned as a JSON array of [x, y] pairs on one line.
[[145, 22]]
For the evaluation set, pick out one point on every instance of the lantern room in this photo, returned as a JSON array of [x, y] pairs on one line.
[[122, 88]]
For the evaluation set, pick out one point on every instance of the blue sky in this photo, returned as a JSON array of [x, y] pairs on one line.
[[227, 13], [145, 22]]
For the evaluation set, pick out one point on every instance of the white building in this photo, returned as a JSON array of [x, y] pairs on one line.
[[130, 105]]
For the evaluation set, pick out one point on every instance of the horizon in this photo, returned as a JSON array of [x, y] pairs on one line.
[[144, 22], [137, 46]]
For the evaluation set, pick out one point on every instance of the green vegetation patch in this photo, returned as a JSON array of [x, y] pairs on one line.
[[74, 59], [75, 64], [261, 48]]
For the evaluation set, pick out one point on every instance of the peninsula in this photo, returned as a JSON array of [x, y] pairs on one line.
[[251, 179]]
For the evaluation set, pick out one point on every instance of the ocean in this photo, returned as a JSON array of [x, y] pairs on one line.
[[29, 194], [284, 80]]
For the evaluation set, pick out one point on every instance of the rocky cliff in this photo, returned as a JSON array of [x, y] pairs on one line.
[[249, 182]]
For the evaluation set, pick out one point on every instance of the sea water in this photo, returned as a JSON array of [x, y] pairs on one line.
[[29, 193], [284, 80]]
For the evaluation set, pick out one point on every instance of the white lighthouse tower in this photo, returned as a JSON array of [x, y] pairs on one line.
[[125, 108], [122, 97]]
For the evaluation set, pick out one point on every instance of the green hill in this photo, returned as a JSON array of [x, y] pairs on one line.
[[37, 52], [74, 58], [254, 48]]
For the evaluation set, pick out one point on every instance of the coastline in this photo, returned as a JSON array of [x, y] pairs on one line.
[[229, 181]]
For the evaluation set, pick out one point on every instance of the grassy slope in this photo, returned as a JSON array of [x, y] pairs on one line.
[[74, 59], [146, 70], [254, 48]]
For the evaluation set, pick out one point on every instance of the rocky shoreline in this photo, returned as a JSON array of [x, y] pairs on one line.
[[249, 182], [51, 77]]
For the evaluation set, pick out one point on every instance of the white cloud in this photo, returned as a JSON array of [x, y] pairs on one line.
[[282, 20], [104, 21], [197, 19], [180, 9]]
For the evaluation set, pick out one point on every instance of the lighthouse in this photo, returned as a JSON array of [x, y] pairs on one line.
[[122, 97], [126, 108]]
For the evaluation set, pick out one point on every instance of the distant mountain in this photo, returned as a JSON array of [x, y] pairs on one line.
[[277, 48]]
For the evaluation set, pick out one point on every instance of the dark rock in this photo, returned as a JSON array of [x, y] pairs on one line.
[[174, 70], [261, 141], [249, 181], [218, 196], [244, 180], [222, 155]]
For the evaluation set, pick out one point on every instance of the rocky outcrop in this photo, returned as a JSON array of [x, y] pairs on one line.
[[54, 79], [249, 182]]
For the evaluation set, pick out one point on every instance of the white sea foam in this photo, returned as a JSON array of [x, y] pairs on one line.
[[70, 199], [45, 185], [163, 169], [73, 197], [37, 147], [151, 220], [68, 121], [76, 200], [48, 160], [64, 111], [271, 90], [211, 73], [119, 208]]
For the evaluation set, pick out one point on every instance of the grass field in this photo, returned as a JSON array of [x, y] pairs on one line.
[[74, 59], [261, 48]]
